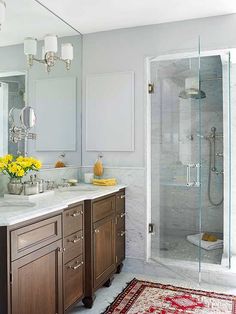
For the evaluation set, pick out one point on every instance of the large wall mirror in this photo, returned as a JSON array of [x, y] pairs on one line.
[[54, 96]]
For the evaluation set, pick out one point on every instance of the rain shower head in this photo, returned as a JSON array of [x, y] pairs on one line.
[[192, 93], [192, 89]]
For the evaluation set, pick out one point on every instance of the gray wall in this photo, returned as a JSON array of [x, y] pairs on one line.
[[126, 49]]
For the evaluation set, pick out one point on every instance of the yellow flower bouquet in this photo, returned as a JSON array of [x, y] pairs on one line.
[[17, 167]]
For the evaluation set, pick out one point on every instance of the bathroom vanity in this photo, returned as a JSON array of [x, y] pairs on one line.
[[53, 258]]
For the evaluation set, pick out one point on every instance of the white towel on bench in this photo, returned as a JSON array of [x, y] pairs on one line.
[[206, 245]]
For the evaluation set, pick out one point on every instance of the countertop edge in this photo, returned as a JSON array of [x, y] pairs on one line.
[[60, 204]]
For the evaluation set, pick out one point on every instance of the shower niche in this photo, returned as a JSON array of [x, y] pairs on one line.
[[188, 139]]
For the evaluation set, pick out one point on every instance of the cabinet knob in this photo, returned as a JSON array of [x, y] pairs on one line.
[[97, 231], [122, 233], [122, 196], [122, 215], [75, 214]]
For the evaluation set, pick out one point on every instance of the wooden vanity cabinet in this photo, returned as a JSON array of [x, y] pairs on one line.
[[49, 264], [35, 268], [42, 264], [105, 250]]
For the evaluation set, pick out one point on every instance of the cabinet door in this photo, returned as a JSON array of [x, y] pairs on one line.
[[120, 246], [73, 281], [37, 282], [104, 250]]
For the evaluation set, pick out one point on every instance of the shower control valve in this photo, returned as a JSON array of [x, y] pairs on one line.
[[191, 182]]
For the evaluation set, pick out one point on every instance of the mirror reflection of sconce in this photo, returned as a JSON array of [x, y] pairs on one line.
[[49, 52], [21, 122]]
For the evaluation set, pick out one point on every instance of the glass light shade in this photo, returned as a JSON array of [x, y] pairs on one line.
[[192, 82], [2, 11], [30, 46], [67, 51], [50, 43]]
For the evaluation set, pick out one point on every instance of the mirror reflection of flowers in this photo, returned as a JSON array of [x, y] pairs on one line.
[[17, 167]]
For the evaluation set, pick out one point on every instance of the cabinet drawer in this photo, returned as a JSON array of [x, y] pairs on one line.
[[103, 208], [120, 201], [73, 245], [73, 281], [30, 238], [73, 219], [120, 221]]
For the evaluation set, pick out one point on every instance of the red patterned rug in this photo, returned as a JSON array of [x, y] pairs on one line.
[[143, 297]]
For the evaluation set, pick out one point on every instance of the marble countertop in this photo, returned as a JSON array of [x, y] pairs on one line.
[[13, 212]]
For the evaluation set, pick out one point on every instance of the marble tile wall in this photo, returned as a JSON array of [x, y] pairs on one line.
[[136, 211]]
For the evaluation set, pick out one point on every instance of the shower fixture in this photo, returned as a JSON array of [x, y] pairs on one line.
[[192, 89], [212, 168], [192, 85]]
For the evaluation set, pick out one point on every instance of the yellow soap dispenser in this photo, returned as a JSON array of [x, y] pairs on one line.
[[98, 167]]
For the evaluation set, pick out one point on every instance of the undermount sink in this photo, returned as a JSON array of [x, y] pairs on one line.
[[15, 205], [77, 188]]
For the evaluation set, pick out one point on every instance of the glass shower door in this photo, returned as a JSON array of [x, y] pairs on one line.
[[176, 162]]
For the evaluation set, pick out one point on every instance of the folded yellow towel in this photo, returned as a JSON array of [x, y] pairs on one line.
[[105, 182], [209, 237]]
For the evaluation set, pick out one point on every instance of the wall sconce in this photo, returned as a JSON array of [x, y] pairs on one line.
[[49, 52]]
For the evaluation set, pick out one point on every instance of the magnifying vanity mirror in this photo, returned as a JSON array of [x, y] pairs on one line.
[[37, 90], [27, 117]]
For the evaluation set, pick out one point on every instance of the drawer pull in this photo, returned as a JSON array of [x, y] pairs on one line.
[[122, 233], [97, 231], [76, 240], [122, 196], [122, 215], [75, 214], [76, 267]]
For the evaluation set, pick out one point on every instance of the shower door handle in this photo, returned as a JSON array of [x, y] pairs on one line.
[[191, 182]]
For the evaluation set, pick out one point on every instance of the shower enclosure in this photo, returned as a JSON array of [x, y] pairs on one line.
[[189, 104]]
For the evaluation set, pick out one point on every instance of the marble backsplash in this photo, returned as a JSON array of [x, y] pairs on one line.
[[52, 174]]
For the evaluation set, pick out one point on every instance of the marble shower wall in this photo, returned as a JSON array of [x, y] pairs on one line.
[[175, 143]]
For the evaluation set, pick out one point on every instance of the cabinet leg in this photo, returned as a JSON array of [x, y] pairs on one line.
[[119, 268], [88, 301], [108, 282]]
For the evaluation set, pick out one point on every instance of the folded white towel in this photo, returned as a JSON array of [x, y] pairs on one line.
[[206, 245]]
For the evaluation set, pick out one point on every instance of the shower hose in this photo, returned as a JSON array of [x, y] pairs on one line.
[[209, 179]]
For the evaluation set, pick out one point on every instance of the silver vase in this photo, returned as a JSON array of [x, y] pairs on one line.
[[15, 186]]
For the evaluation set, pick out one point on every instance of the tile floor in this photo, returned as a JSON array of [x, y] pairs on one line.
[[178, 248], [105, 296]]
